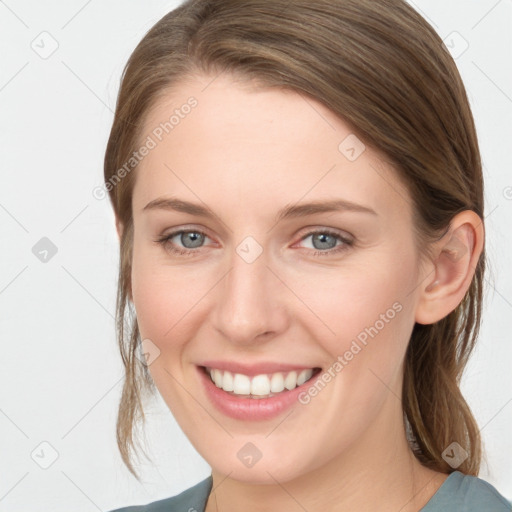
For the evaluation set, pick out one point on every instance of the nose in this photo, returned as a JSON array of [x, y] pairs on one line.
[[250, 304]]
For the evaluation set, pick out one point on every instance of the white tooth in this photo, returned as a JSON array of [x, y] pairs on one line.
[[260, 385], [304, 375], [227, 381], [217, 378], [241, 384], [277, 383], [291, 381]]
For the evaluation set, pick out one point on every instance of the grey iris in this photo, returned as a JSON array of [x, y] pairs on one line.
[[196, 238], [323, 243]]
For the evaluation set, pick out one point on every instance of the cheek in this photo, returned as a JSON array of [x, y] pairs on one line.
[[154, 295], [363, 318], [371, 321], [167, 300], [164, 301], [348, 301]]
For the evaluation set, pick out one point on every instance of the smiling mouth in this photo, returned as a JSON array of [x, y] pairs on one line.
[[259, 386]]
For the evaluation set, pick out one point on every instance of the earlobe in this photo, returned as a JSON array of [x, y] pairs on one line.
[[457, 255]]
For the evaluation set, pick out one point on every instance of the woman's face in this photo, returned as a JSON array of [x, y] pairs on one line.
[[261, 284]]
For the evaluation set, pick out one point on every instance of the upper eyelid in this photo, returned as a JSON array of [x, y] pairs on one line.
[[172, 234], [306, 229], [319, 229]]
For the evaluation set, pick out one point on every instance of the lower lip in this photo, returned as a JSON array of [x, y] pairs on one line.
[[251, 409]]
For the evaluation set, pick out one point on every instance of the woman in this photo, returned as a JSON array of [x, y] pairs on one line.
[[298, 194]]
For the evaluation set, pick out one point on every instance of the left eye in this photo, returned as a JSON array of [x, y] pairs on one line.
[[326, 241]]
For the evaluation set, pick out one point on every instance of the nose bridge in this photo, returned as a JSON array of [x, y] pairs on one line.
[[249, 304]]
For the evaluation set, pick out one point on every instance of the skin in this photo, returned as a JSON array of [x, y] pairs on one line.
[[246, 152]]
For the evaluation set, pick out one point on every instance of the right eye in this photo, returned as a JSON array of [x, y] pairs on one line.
[[190, 240]]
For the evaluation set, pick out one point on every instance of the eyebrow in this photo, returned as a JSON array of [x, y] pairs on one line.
[[288, 212]]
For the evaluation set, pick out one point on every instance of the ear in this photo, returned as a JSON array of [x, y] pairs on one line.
[[451, 272]]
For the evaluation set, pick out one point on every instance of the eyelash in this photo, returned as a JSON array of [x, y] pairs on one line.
[[165, 241]]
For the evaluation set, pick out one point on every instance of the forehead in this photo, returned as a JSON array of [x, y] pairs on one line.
[[236, 144]]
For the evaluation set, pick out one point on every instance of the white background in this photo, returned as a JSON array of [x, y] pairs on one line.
[[60, 372]]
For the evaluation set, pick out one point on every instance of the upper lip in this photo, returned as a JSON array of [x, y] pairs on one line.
[[256, 368]]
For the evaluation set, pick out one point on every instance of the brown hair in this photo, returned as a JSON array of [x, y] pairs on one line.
[[383, 69]]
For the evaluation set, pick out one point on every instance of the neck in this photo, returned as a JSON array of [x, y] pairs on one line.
[[379, 472]]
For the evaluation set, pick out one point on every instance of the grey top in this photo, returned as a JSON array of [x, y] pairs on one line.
[[458, 493]]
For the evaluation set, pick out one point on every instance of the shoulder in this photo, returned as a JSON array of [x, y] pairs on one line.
[[192, 499], [466, 493]]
